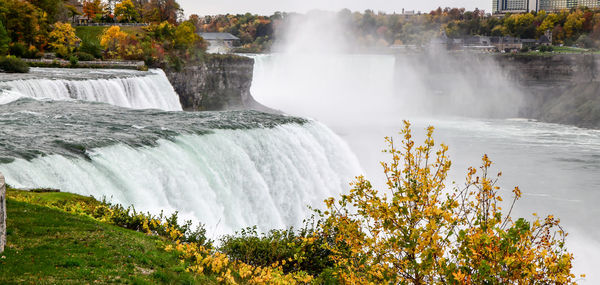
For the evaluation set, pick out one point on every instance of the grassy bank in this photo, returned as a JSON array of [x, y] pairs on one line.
[[49, 246]]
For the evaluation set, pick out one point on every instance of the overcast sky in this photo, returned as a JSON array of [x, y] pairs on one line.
[[267, 7]]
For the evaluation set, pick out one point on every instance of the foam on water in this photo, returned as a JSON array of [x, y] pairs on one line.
[[131, 89], [228, 179]]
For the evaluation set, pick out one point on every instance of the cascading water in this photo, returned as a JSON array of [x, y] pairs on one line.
[[228, 170], [131, 89], [557, 167]]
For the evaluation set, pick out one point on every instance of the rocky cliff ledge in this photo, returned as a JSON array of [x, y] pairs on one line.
[[559, 88], [221, 82]]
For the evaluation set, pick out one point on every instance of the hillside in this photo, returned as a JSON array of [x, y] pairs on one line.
[[49, 246]]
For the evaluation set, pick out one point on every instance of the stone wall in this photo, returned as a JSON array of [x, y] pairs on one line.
[[2, 213]]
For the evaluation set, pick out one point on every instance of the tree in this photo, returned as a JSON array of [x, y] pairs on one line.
[[161, 10], [185, 36], [520, 25], [112, 40], [127, 11], [548, 23], [63, 39], [72, 11], [422, 232], [93, 8], [51, 8], [574, 24], [4, 40], [22, 21], [118, 44]]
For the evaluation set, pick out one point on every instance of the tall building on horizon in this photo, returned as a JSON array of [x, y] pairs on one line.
[[510, 6], [557, 5]]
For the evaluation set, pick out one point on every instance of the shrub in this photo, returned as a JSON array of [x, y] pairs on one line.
[[124, 217], [546, 49], [17, 49], [32, 52], [276, 247], [55, 63], [92, 48], [84, 56], [13, 64], [175, 63], [73, 61], [63, 52], [420, 231]]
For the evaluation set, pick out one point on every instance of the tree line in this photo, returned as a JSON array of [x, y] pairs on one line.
[[578, 26], [31, 28]]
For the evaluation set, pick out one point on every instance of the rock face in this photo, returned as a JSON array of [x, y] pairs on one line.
[[560, 88], [554, 88], [2, 213], [221, 82]]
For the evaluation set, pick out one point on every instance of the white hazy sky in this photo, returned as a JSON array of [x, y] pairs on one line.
[[267, 7]]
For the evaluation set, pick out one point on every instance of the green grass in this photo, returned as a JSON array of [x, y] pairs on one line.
[[566, 49], [136, 31], [89, 34], [49, 246]]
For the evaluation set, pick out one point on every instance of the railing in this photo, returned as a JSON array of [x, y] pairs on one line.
[[2, 213], [112, 24], [122, 63]]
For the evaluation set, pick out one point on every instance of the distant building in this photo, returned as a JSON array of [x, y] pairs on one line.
[[489, 44], [507, 43], [479, 43], [557, 5], [546, 39], [220, 42], [79, 18], [409, 14], [510, 6]]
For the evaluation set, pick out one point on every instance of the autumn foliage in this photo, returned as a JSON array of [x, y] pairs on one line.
[[62, 38], [114, 41], [423, 231], [93, 8]]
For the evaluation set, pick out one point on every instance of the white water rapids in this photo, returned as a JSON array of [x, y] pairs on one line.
[[130, 89], [227, 180]]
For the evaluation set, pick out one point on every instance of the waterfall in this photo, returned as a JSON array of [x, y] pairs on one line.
[[131, 89], [228, 179]]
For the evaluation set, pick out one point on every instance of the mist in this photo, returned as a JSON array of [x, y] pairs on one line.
[[318, 71]]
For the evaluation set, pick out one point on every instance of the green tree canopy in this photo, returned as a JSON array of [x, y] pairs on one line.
[[4, 40]]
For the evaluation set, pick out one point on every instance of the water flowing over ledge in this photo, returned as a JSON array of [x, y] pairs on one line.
[[124, 88], [228, 170], [228, 180]]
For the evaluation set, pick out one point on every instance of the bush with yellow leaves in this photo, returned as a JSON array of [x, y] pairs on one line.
[[422, 231]]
